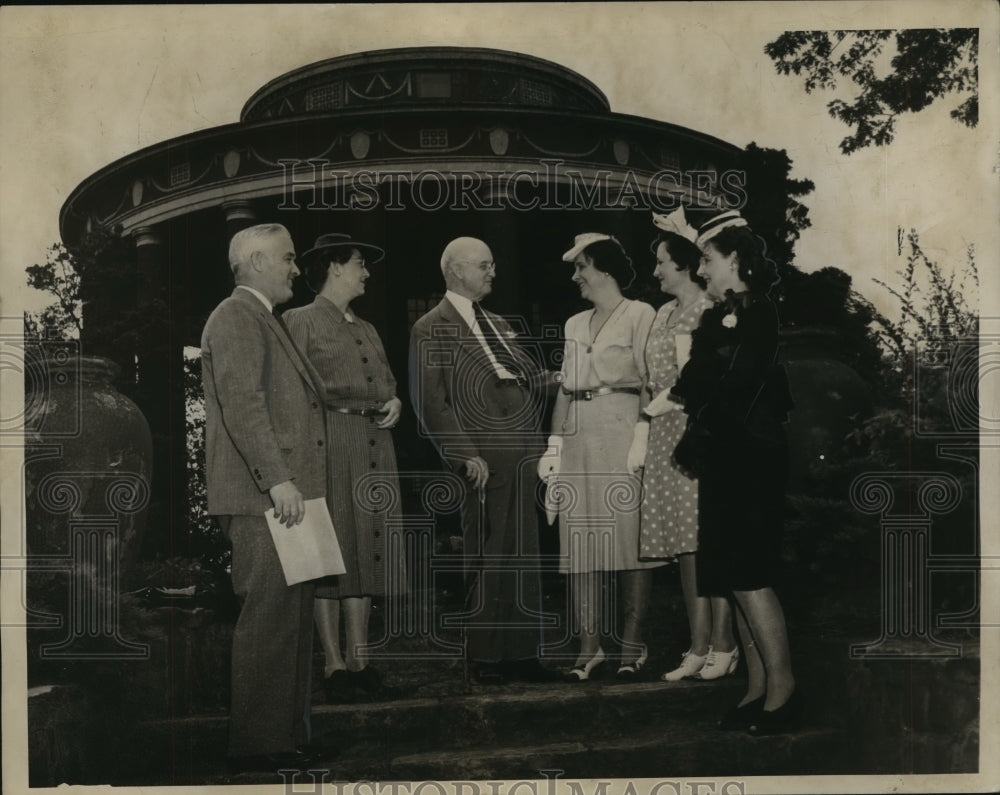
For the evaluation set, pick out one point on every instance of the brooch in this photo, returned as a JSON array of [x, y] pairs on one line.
[[729, 321]]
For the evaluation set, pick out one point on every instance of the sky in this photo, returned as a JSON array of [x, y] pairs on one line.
[[82, 87]]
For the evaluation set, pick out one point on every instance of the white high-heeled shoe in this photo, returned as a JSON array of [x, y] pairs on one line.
[[690, 665], [581, 673], [719, 663]]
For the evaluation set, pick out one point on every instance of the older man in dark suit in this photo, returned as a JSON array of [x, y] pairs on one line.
[[471, 386], [264, 451]]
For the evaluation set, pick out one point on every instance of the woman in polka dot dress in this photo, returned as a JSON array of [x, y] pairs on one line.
[[669, 527]]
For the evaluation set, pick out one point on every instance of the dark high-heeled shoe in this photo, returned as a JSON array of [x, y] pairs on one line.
[[632, 670], [742, 717], [592, 669], [786, 718]]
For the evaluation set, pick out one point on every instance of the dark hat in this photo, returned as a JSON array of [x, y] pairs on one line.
[[342, 240]]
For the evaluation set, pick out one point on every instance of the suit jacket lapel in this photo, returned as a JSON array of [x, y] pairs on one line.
[[306, 370], [475, 347]]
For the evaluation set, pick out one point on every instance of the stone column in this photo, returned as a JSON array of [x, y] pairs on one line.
[[500, 232], [239, 215], [160, 386]]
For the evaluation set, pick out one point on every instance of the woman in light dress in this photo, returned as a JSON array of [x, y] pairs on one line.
[[586, 467]]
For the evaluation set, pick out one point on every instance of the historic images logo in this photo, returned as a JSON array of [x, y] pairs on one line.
[[313, 185]]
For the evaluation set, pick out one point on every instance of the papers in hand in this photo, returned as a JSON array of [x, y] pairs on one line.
[[309, 549]]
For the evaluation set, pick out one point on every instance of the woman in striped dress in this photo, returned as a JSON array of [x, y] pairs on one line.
[[362, 481]]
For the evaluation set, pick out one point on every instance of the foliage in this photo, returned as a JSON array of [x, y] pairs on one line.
[[936, 335], [205, 540], [58, 276], [829, 545], [821, 298], [933, 313], [928, 64], [772, 208], [826, 298], [93, 284]]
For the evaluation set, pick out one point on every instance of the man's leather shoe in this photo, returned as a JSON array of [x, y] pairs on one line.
[[531, 671], [488, 673], [299, 759]]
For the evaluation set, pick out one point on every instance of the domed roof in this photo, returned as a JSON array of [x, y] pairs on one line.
[[454, 76]]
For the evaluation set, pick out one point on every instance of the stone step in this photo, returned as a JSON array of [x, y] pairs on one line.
[[691, 751], [491, 717], [910, 715]]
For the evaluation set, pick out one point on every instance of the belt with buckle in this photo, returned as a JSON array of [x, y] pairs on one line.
[[590, 394], [372, 412]]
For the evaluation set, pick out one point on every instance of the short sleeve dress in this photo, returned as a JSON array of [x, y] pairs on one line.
[[599, 497], [362, 475], [670, 506]]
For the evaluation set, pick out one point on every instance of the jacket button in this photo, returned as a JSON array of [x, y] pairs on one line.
[[357, 342], [378, 558], [315, 405], [370, 379], [378, 534], [371, 442], [319, 442], [364, 360], [373, 465]]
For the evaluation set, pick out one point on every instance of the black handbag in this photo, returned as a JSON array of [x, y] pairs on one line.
[[693, 450]]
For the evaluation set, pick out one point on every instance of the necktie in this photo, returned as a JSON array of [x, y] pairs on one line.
[[499, 350]]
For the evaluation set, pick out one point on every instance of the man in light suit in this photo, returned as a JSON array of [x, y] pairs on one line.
[[264, 449], [471, 386]]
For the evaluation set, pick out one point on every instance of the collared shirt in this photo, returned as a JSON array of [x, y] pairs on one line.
[[260, 296], [464, 308]]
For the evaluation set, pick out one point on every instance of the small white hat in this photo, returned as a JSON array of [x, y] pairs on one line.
[[712, 227], [580, 242], [676, 222]]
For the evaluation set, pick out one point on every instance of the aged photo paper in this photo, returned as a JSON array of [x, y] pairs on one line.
[[92, 91]]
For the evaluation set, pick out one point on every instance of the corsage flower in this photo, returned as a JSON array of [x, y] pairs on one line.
[[729, 321]]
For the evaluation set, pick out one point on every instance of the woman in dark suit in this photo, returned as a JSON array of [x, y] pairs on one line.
[[361, 410], [736, 396]]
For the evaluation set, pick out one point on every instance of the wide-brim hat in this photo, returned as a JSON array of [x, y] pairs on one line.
[[371, 252], [580, 242]]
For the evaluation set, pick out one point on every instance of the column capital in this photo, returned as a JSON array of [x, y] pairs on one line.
[[147, 236], [238, 210]]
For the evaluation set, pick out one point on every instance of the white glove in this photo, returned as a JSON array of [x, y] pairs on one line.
[[550, 463], [637, 451], [661, 404]]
